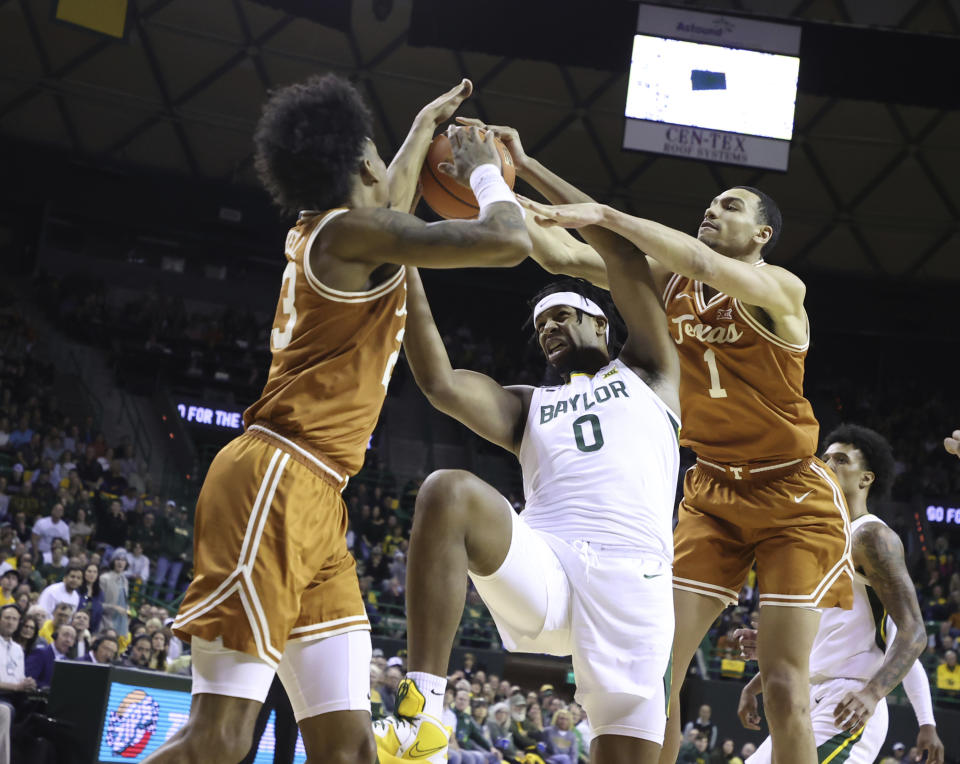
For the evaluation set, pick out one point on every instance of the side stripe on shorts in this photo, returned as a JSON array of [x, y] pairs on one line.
[[668, 683], [837, 749], [843, 566], [240, 580]]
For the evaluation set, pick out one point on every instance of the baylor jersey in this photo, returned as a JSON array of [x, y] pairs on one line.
[[850, 644], [600, 459]]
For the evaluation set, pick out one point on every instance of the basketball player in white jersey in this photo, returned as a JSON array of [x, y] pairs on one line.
[[585, 569], [858, 655]]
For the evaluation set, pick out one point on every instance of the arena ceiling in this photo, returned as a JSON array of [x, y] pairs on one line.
[[872, 189]]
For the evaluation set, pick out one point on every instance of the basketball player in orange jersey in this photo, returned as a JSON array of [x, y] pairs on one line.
[[757, 492], [275, 588]]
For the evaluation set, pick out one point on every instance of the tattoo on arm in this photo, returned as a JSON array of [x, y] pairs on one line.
[[880, 554], [501, 218]]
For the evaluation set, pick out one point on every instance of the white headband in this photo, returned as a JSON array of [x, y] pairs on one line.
[[572, 300]]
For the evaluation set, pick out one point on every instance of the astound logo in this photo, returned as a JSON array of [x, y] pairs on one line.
[[720, 26]]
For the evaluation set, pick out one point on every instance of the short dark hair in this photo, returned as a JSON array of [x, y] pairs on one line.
[[100, 640], [309, 142], [877, 453], [769, 215], [601, 297], [71, 568], [19, 612]]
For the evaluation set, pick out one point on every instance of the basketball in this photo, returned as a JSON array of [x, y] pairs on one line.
[[445, 196]]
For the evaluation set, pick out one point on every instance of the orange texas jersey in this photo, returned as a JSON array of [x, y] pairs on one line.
[[333, 354], [741, 386]]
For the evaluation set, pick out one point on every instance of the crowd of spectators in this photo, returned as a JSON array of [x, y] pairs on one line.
[[152, 334], [491, 719], [90, 562], [937, 577], [914, 430]]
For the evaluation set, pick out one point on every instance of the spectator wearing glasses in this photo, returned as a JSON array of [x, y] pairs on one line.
[[62, 614], [39, 664], [104, 650]]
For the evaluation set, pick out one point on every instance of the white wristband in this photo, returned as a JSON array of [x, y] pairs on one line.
[[489, 187]]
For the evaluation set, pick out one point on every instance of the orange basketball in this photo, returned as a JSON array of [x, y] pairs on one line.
[[445, 196]]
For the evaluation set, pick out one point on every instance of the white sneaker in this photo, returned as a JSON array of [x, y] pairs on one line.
[[412, 735], [423, 738]]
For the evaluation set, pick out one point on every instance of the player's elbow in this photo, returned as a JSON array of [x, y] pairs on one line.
[[435, 386], [515, 247], [918, 637], [702, 264]]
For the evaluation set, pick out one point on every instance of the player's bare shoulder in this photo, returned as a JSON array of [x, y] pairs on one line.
[[784, 313], [877, 552], [334, 251]]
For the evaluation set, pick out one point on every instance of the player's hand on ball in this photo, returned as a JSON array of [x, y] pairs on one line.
[[748, 710], [507, 135], [928, 740], [564, 215], [748, 643], [470, 150], [854, 710], [441, 108], [952, 444]]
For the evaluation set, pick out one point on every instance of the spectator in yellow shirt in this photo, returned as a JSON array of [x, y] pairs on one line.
[[948, 675], [62, 614], [9, 581]]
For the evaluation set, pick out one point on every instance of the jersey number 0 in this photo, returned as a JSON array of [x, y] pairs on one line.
[[587, 428]]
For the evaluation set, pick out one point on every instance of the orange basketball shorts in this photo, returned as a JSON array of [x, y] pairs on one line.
[[270, 556], [795, 525]]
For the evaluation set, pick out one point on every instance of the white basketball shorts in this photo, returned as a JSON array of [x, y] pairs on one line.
[[609, 607], [861, 746]]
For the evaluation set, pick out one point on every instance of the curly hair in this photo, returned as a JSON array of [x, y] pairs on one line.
[[769, 215], [309, 142], [877, 454]]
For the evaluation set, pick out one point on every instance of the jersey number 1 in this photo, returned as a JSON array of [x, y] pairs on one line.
[[595, 436], [715, 390]]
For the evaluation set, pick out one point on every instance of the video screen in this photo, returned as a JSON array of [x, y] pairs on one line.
[[139, 719], [712, 87]]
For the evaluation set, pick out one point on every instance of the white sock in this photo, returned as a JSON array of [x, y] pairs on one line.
[[433, 687]]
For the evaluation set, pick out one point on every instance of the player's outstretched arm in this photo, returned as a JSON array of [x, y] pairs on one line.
[[774, 289], [917, 686], [584, 261], [494, 412], [404, 171], [559, 252], [877, 551], [375, 235], [649, 349]]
